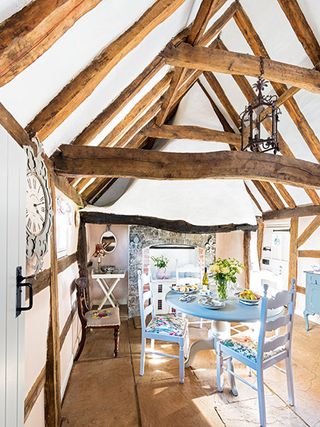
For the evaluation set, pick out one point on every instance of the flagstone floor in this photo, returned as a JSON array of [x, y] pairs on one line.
[[105, 392]]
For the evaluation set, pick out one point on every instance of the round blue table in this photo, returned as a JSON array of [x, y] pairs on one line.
[[234, 311]]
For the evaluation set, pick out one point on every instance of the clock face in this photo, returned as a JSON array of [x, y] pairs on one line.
[[36, 211]]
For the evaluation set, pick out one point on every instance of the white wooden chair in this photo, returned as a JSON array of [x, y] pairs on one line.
[[165, 327], [264, 353]]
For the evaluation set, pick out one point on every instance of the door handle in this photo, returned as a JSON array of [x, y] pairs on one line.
[[19, 286]]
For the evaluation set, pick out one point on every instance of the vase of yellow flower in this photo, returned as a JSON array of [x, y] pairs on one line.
[[225, 271]]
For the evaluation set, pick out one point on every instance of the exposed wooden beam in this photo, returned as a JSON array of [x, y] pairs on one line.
[[253, 198], [161, 223], [260, 234], [196, 38], [302, 29], [72, 95], [63, 185], [304, 210], [206, 10], [130, 163], [293, 251], [246, 257], [309, 254], [216, 87], [110, 112], [68, 324], [137, 111], [139, 139], [265, 189], [34, 393], [308, 231], [249, 93], [227, 62], [258, 48], [53, 367], [27, 34], [8, 122], [192, 132]]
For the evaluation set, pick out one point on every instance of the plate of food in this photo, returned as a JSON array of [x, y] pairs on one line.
[[211, 303], [249, 297], [185, 289]]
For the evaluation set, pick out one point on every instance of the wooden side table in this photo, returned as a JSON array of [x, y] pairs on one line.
[[108, 282], [312, 295]]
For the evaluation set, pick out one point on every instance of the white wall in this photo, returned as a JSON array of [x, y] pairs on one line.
[[37, 322]]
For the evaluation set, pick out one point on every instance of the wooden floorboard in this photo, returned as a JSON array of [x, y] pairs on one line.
[[103, 391]]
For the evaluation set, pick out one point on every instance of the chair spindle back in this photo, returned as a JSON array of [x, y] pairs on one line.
[[281, 299]]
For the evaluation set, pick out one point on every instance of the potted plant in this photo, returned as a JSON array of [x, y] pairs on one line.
[[225, 271], [161, 263]]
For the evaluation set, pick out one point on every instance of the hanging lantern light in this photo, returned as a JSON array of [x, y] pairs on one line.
[[263, 108]]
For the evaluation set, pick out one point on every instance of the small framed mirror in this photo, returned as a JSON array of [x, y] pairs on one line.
[[108, 241]]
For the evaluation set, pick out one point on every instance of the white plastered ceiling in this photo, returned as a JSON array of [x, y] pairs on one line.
[[200, 202]]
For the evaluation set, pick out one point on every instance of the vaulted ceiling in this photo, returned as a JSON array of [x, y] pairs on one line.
[[113, 74]]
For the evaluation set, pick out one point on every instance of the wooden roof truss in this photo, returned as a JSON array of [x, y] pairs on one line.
[[191, 53]]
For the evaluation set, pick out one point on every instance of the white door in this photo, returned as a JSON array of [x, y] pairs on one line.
[[12, 254]]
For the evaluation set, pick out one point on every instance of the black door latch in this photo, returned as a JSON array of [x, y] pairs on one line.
[[21, 285]]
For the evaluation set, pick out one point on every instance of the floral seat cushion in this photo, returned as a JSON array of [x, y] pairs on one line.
[[167, 324], [248, 347], [101, 318]]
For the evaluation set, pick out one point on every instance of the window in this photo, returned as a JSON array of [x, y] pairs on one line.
[[160, 288], [159, 304], [63, 222]]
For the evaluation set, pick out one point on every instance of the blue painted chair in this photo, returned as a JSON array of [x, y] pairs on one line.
[[264, 353], [165, 327]]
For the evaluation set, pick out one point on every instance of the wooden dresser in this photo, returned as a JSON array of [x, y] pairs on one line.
[[312, 295]]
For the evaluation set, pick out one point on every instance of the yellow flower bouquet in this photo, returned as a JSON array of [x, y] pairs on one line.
[[224, 271]]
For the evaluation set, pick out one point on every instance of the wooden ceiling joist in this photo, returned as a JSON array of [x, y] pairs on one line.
[[265, 189], [194, 133], [131, 163], [249, 93], [227, 62], [302, 29], [111, 111], [299, 211], [178, 226], [258, 48], [150, 98], [206, 11], [139, 139], [27, 34], [265, 192], [72, 95], [308, 231]]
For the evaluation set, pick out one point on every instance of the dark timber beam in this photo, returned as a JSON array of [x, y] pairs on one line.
[[227, 62], [178, 226], [89, 161]]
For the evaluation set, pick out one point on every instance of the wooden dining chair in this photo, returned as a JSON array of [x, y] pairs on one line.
[[108, 318], [264, 353], [166, 327]]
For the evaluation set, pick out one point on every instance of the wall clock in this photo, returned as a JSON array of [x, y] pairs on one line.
[[38, 206]]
